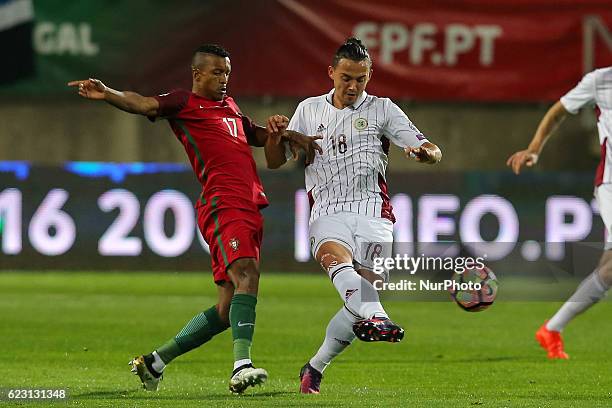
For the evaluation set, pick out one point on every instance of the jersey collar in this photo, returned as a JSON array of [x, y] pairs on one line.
[[210, 102], [330, 99]]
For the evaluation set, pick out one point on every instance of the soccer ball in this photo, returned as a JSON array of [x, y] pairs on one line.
[[475, 289]]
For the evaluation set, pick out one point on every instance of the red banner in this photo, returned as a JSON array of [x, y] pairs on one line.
[[445, 50], [436, 50]]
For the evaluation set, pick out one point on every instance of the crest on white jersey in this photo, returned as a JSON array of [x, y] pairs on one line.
[[360, 123]]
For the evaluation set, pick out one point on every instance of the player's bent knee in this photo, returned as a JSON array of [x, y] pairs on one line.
[[245, 272], [328, 261], [331, 254]]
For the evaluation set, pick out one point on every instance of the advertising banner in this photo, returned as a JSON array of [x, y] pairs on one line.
[[136, 216], [468, 50]]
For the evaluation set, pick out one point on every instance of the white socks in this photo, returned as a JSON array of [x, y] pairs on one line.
[[358, 294], [360, 302], [338, 336], [240, 363], [158, 365], [590, 291]]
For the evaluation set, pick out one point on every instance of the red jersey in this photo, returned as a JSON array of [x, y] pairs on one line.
[[215, 136]]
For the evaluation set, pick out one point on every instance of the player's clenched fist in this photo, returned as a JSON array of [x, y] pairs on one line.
[[275, 126], [277, 123], [520, 159], [90, 88]]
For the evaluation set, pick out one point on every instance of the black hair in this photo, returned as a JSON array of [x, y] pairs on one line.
[[212, 49], [352, 49]]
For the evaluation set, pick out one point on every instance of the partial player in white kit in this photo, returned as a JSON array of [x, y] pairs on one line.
[[351, 219], [595, 88]]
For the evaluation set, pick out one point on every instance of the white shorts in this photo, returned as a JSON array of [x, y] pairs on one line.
[[603, 194], [366, 237]]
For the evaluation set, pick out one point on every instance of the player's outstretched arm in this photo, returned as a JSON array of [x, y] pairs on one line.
[[427, 153], [125, 100], [547, 127]]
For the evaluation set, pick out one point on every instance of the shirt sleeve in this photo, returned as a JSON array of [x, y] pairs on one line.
[[171, 103], [249, 128], [583, 94], [399, 129], [297, 120]]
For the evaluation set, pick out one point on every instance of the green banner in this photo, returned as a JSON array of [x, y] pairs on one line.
[[116, 41]]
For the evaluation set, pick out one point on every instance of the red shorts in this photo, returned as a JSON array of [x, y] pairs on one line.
[[231, 234]]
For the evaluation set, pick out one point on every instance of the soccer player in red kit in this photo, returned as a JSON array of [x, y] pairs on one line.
[[216, 137]]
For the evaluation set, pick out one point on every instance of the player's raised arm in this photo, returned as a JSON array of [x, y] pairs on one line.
[[547, 127], [125, 100]]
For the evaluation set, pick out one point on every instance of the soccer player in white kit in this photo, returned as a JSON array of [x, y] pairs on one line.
[[594, 88], [351, 219]]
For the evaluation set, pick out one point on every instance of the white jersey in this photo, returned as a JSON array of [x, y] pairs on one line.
[[350, 174], [596, 88]]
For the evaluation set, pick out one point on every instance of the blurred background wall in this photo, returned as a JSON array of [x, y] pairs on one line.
[[472, 135], [473, 77]]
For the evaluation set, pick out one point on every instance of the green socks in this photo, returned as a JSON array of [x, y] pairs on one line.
[[198, 331], [207, 324], [242, 319]]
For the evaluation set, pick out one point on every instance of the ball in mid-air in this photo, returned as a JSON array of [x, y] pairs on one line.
[[475, 289]]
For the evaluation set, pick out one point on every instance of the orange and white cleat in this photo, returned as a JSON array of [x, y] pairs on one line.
[[552, 342]]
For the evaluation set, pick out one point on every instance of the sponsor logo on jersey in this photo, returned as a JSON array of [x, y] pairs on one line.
[[321, 128], [234, 243], [360, 123]]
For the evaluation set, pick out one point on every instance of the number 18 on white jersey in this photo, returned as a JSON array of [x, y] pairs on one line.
[[350, 174]]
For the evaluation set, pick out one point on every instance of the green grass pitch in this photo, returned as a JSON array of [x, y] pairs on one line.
[[79, 330]]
